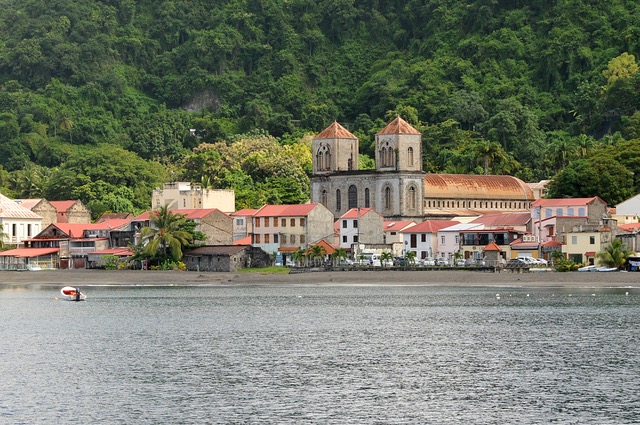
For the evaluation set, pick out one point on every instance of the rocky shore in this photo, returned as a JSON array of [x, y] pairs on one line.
[[380, 277]]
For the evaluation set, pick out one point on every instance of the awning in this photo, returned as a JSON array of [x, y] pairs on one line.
[[28, 252], [590, 254]]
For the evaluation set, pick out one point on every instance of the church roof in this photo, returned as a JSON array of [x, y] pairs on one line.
[[398, 126], [335, 131], [472, 186]]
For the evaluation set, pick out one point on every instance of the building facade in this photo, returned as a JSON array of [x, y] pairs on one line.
[[398, 188], [185, 195]]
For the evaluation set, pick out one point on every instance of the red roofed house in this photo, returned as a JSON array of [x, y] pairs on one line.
[[422, 238], [361, 226], [242, 223], [393, 236], [71, 212], [217, 225], [555, 217], [288, 228]]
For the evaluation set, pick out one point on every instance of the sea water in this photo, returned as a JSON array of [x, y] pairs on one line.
[[320, 354]]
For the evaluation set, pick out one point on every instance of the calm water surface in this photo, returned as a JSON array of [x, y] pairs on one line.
[[329, 355]]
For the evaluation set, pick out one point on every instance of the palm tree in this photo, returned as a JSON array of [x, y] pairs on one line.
[[167, 236], [456, 256], [316, 252], [615, 255], [490, 152], [410, 257], [386, 258], [3, 235], [299, 256], [338, 255]]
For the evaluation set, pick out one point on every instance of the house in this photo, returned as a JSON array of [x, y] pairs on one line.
[[72, 212], [186, 196], [449, 240], [393, 236], [360, 226], [287, 228], [628, 211], [26, 258], [41, 207], [422, 238], [516, 221], [526, 246], [215, 224], [18, 223], [539, 189], [553, 218], [473, 241], [224, 258], [242, 223]]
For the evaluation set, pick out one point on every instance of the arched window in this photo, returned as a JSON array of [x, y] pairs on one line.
[[367, 203], [323, 158], [338, 200], [323, 198], [410, 157], [387, 198], [353, 197], [412, 197]]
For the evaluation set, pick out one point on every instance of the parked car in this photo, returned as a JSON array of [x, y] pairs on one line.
[[442, 262], [460, 262], [470, 262], [429, 261], [345, 262], [399, 261]]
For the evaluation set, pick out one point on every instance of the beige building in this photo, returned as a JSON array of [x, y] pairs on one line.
[[185, 195], [361, 226], [72, 212], [398, 188]]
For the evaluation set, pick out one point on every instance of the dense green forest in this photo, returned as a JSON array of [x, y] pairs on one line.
[[104, 100]]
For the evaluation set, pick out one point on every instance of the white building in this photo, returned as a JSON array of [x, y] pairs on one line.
[[422, 238], [628, 211], [360, 226], [18, 223], [449, 239]]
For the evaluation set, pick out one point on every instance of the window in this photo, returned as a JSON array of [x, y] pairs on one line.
[[323, 158], [592, 240], [293, 239], [558, 211], [547, 212], [338, 200], [355, 239], [284, 222], [457, 240], [275, 221], [412, 197], [323, 198], [344, 224], [258, 222], [353, 197], [239, 221], [570, 212], [293, 222], [442, 239], [367, 204], [414, 240], [344, 239], [581, 212], [302, 222], [410, 157], [257, 238], [387, 198], [355, 224], [275, 238], [423, 237], [574, 240], [283, 239], [267, 239], [184, 203], [302, 239], [28, 230]]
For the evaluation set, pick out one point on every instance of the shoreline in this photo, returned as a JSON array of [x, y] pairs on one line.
[[550, 279]]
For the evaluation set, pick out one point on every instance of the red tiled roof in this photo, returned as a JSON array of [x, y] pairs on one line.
[[430, 226], [335, 131], [396, 226], [491, 246], [244, 241], [504, 219], [328, 248], [246, 212], [551, 242], [28, 252], [62, 206], [398, 126], [296, 210], [564, 202], [358, 212], [629, 227], [73, 230]]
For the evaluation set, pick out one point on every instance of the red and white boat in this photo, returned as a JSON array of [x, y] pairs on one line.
[[69, 293]]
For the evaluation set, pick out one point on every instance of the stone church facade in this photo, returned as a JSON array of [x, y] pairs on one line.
[[398, 188]]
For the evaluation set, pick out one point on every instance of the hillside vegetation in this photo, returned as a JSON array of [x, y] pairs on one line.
[[104, 100]]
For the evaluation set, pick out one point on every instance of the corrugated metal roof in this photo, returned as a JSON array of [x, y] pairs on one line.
[[398, 126], [28, 252], [11, 209], [120, 252], [470, 186], [564, 202], [296, 210], [430, 226], [335, 131], [28, 203], [504, 219], [246, 212]]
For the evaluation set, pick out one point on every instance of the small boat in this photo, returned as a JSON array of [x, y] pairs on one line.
[[69, 293], [608, 269], [588, 269]]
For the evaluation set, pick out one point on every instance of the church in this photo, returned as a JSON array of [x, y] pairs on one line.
[[398, 188]]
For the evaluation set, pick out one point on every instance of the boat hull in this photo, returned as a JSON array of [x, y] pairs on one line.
[[70, 293]]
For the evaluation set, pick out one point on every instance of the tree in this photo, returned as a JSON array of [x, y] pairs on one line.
[[614, 255], [410, 257], [300, 256], [316, 252], [339, 255], [166, 238], [386, 258]]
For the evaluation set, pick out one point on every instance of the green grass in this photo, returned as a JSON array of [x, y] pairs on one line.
[[266, 270]]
